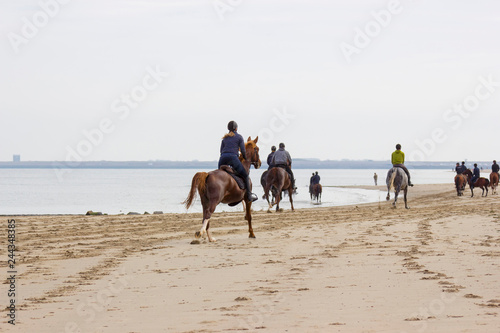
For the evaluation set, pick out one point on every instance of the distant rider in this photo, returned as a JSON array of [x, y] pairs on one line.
[[398, 160], [316, 179], [282, 159], [495, 167], [475, 175], [232, 143], [270, 157]]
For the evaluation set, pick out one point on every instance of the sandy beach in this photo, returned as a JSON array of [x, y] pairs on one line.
[[364, 268]]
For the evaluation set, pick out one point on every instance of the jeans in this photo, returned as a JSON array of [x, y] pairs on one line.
[[233, 161]]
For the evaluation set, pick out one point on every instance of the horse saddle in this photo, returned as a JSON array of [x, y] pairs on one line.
[[239, 180]]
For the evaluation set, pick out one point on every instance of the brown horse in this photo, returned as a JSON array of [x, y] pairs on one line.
[[460, 183], [494, 182], [316, 191], [278, 180], [480, 182], [218, 186]]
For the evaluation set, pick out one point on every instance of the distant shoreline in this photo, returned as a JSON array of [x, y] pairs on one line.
[[298, 163]]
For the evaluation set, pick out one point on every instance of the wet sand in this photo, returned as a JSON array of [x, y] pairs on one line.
[[364, 268]]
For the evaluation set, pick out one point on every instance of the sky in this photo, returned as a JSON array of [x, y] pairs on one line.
[[160, 79]]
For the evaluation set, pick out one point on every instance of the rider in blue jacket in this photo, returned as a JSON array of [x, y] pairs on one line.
[[232, 143], [475, 175]]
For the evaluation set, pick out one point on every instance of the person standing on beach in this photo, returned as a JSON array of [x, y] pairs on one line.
[[232, 143], [398, 160], [282, 159], [270, 157], [495, 167], [375, 178]]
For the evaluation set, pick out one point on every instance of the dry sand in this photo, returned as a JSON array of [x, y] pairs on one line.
[[365, 268]]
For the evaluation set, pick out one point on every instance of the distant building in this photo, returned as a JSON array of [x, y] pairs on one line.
[[16, 158]]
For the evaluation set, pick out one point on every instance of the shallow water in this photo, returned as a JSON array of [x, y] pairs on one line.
[[114, 191]]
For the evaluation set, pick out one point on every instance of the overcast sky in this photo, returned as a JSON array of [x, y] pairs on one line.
[[160, 79]]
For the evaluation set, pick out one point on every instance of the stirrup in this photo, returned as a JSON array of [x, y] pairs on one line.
[[252, 197]]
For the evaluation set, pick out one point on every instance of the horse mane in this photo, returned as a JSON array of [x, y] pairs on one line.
[[247, 144]]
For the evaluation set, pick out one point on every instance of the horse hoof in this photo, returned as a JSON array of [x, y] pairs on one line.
[[197, 234], [251, 236]]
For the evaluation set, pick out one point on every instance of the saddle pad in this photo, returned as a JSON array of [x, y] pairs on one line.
[[230, 171]]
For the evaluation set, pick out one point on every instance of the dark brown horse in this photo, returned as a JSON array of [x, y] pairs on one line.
[[316, 191], [218, 186], [493, 182], [278, 180], [460, 183], [481, 182]]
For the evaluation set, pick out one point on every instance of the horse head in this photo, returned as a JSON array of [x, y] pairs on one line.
[[252, 151], [468, 174]]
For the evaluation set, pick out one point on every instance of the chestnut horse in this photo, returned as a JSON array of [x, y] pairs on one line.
[[494, 182], [277, 181], [460, 183], [316, 191], [481, 182], [218, 186]]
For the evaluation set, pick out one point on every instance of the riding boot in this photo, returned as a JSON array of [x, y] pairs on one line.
[[250, 196]]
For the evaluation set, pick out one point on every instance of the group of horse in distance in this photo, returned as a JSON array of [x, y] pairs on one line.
[[461, 181]]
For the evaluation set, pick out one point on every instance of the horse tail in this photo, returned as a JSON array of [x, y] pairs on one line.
[[199, 183], [393, 175], [487, 182]]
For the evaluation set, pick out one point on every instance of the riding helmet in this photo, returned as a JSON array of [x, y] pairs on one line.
[[232, 126]]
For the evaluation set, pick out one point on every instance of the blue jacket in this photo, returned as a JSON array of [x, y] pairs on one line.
[[233, 144], [270, 158], [476, 172]]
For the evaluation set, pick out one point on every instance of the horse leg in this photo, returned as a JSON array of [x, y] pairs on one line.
[[405, 192], [290, 191], [266, 193], [396, 193], [208, 209], [248, 217], [278, 198]]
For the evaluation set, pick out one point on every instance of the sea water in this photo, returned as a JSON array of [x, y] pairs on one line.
[[115, 191]]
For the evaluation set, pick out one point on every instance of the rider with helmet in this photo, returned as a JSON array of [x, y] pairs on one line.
[[270, 157], [495, 167], [282, 159], [475, 175], [398, 160], [232, 143]]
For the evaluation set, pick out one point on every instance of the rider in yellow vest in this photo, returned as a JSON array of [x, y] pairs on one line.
[[398, 160]]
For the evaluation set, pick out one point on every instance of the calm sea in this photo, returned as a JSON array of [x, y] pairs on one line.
[[115, 191]]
